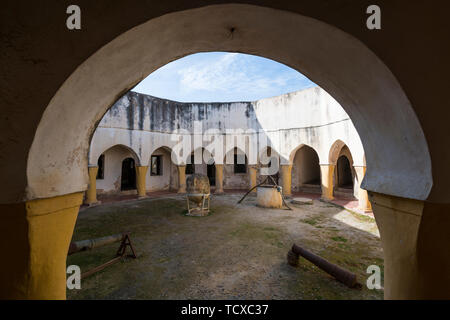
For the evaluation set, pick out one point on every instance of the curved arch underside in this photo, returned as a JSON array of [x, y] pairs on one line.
[[397, 155]]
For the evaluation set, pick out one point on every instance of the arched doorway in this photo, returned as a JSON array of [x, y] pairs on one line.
[[306, 170], [347, 80], [344, 75], [211, 173], [128, 177], [344, 173], [113, 167]]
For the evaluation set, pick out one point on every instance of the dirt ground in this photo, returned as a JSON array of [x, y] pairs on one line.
[[237, 252]]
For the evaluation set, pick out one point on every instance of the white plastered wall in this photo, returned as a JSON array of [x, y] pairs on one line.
[[149, 125]]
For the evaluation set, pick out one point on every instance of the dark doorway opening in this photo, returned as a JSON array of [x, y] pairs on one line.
[[128, 181], [240, 163], [211, 172], [190, 166], [309, 166], [344, 173], [101, 167]]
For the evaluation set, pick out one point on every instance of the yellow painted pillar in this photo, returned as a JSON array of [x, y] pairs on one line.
[[363, 197], [181, 179], [91, 193], [326, 174], [141, 173], [34, 240], [286, 179], [252, 172], [415, 240], [219, 178]]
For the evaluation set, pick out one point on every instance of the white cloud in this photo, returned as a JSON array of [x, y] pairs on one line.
[[231, 72], [222, 76]]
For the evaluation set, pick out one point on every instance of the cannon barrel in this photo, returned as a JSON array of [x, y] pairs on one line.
[[346, 277], [83, 245]]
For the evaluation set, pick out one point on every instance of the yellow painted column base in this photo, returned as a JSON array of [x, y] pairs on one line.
[[91, 193], [252, 176], [326, 173], [416, 241], [286, 178], [141, 173], [363, 197], [34, 240], [363, 201]]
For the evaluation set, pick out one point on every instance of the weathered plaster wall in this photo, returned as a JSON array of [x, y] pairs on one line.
[[310, 117], [169, 174], [55, 58], [233, 180], [149, 125], [114, 156]]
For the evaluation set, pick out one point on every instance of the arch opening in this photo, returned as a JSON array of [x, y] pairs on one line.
[[306, 170], [373, 98], [347, 79], [111, 166], [344, 173], [128, 176]]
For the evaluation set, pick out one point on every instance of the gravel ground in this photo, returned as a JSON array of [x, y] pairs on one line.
[[237, 252]]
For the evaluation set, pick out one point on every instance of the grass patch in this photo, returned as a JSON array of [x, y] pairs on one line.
[[235, 249], [339, 239], [249, 232], [311, 221]]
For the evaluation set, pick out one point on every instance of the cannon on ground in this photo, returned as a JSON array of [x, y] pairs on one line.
[[346, 277]]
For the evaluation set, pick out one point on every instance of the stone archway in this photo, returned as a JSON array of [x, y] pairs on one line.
[[305, 170], [344, 173], [128, 175], [347, 79], [353, 75], [113, 167]]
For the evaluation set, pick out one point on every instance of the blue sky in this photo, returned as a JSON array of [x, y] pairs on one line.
[[222, 77]]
